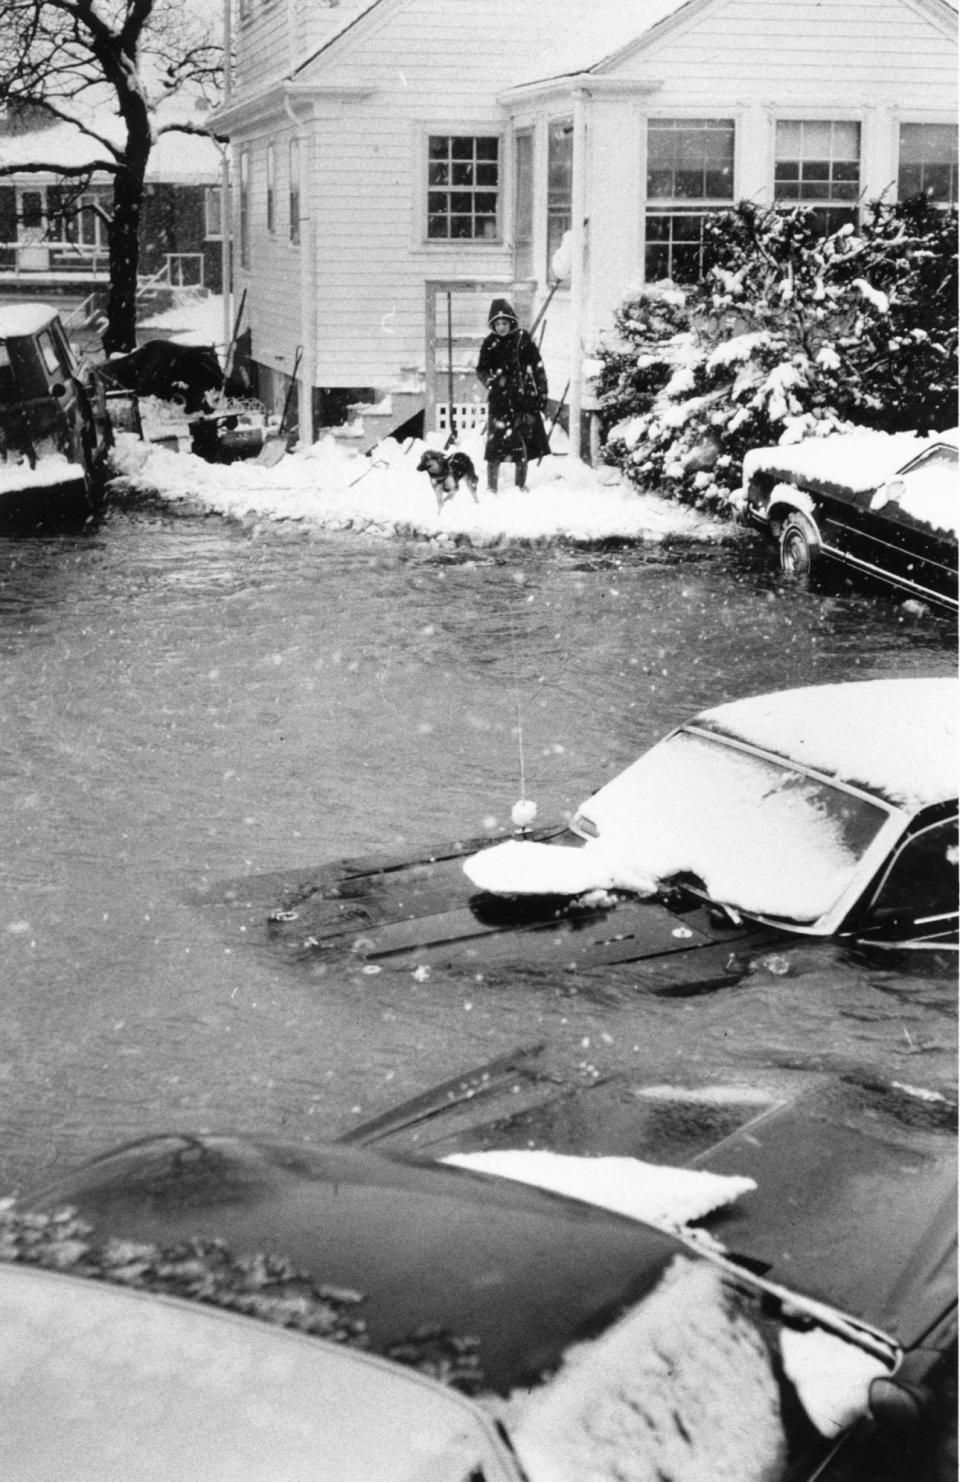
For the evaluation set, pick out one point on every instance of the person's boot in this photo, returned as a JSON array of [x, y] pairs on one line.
[[493, 477], [520, 473]]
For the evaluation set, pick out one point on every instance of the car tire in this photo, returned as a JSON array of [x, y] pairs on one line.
[[799, 546]]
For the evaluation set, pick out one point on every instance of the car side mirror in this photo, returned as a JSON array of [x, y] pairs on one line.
[[58, 389]]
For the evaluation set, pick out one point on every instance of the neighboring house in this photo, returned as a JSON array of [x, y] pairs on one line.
[[53, 232], [389, 153]]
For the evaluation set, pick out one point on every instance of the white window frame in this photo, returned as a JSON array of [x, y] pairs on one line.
[[294, 188], [270, 192], [679, 206], [465, 130], [922, 123], [526, 268], [243, 207], [800, 114], [213, 213]]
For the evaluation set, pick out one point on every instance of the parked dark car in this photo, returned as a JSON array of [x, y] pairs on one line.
[[687, 1356], [812, 813], [884, 506], [54, 435]]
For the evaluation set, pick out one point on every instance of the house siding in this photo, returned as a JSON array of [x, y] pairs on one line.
[[368, 188], [361, 267]]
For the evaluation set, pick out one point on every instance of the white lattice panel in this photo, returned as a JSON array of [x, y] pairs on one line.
[[469, 414]]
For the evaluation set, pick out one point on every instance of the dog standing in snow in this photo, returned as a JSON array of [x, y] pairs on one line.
[[447, 473]]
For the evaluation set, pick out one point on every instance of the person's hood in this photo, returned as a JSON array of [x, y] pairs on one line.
[[501, 308]]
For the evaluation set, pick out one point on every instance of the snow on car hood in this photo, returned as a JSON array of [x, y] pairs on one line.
[[893, 737], [682, 1386], [666, 1197]]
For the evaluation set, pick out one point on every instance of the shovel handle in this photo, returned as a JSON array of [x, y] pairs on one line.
[[293, 381]]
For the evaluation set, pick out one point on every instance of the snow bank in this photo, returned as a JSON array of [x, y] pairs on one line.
[[682, 1388], [329, 487], [666, 1197]]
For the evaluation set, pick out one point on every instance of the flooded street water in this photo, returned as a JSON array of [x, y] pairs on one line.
[[185, 700]]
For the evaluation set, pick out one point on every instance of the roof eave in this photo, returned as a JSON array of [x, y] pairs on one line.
[[278, 98], [596, 84]]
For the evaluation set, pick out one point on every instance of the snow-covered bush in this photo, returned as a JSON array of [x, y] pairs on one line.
[[790, 335]]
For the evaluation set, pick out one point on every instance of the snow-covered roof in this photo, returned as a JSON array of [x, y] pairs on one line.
[[893, 737], [21, 319], [176, 158], [54, 469]]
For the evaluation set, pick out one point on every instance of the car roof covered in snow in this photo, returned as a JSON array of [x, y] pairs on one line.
[[17, 320], [896, 738], [857, 461]]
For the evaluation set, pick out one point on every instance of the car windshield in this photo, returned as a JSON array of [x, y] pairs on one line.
[[760, 835]]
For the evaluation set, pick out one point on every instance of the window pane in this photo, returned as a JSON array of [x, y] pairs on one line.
[[522, 205], [452, 161], [928, 162], [817, 161], [559, 185], [294, 190], [675, 246], [690, 159], [923, 878]]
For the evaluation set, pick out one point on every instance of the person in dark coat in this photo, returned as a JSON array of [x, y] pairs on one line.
[[511, 369]]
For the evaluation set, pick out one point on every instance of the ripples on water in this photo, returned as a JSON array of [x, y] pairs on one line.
[[184, 700]]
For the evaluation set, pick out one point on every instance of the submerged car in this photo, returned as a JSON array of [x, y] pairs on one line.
[[825, 812], [583, 1337], [54, 429], [882, 505]]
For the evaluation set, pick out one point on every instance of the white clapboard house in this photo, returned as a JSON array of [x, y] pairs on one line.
[[397, 163]]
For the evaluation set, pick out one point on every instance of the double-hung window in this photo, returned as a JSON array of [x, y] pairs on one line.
[[818, 165], [523, 204], [559, 185], [689, 176], [463, 187], [294, 190], [928, 162], [243, 208], [213, 212], [271, 188]]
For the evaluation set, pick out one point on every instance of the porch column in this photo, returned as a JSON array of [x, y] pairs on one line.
[[578, 206]]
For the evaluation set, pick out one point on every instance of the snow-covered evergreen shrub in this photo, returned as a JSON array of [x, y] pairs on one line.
[[790, 335]]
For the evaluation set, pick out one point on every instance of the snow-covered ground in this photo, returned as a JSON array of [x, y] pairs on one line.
[[332, 487]]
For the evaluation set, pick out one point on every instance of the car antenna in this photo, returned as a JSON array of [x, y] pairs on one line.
[[524, 810]]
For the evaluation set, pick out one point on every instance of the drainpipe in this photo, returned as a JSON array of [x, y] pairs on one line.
[[226, 205], [308, 285], [578, 207]]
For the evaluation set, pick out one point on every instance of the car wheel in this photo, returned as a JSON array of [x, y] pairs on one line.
[[799, 546]]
